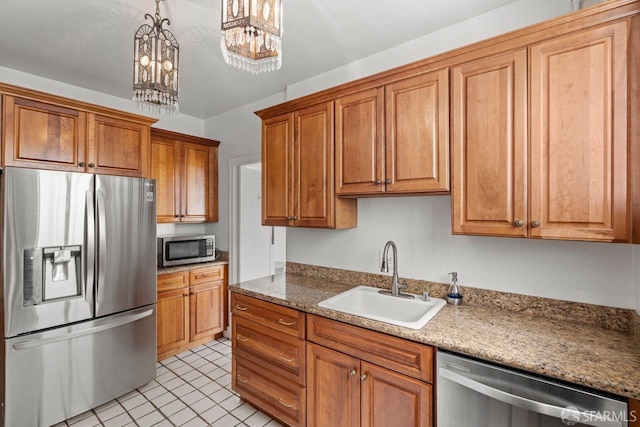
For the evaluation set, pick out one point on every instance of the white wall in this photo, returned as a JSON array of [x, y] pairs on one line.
[[598, 273]]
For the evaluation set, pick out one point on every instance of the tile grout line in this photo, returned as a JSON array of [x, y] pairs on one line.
[[221, 348]]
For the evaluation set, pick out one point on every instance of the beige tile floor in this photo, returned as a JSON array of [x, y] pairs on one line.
[[192, 389]]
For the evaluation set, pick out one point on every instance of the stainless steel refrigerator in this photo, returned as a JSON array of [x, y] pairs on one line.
[[79, 292]]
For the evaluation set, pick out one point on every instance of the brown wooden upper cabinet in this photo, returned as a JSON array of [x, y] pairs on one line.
[[297, 171], [394, 138], [560, 170], [186, 172], [46, 132]]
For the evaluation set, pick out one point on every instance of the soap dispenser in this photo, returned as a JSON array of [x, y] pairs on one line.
[[454, 297]]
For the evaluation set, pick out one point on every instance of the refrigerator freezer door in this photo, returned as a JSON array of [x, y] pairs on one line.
[[48, 249], [57, 374], [125, 243]]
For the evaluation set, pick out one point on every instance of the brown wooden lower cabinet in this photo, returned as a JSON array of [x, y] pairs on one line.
[[191, 308], [344, 388], [345, 391], [340, 375], [634, 413]]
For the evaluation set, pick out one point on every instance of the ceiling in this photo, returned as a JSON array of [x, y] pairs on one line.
[[89, 43]]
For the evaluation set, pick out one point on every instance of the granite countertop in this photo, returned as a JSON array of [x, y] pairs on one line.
[[582, 354]]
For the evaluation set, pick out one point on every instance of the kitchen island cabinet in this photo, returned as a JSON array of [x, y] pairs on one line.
[[49, 132], [186, 172], [191, 308]]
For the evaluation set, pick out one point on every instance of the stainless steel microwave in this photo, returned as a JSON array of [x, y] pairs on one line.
[[178, 250]]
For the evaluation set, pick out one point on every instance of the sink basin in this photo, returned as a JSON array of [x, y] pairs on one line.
[[366, 301]]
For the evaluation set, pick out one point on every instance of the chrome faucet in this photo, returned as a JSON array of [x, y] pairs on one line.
[[396, 285]]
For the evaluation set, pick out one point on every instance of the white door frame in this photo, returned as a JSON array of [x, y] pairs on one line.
[[234, 208]]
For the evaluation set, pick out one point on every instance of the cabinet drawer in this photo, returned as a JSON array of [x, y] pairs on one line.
[[171, 281], [397, 354], [283, 319], [277, 396], [208, 274], [285, 352]]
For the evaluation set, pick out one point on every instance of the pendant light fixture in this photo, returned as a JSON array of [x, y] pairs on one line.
[[155, 66], [251, 36]]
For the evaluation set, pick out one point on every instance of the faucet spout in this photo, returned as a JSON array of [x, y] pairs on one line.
[[395, 290]]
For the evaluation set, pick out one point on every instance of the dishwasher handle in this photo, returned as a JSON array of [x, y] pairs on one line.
[[525, 403]]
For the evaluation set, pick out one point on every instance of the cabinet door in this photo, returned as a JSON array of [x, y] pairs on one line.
[[277, 173], [333, 388], [313, 167], [118, 147], [359, 166], [489, 156], [417, 139], [579, 178], [207, 317], [199, 183], [173, 320], [41, 135], [165, 169], [392, 399]]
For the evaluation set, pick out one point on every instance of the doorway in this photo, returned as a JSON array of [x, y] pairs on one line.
[[255, 250]]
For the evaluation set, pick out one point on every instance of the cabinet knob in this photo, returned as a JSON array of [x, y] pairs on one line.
[[176, 216], [363, 377], [352, 372], [378, 181], [387, 181], [91, 165], [535, 223], [81, 164], [519, 223], [289, 218], [295, 218]]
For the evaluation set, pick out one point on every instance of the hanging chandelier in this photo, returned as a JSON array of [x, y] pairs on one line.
[[155, 66], [251, 36]]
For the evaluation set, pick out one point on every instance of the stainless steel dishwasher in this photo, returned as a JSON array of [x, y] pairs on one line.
[[477, 394]]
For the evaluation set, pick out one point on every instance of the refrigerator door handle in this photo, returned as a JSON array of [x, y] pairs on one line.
[[90, 247], [102, 241], [64, 335]]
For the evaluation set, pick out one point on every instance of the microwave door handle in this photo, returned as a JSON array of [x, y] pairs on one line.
[[89, 245], [525, 403], [102, 241]]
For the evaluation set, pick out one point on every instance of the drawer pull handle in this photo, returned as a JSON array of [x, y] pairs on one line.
[[285, 323], [241, 308], [241, 338], [363, 377], [352, 372], [283, 403], [242, 379], [185, 294], [286, 357], [200, 276]]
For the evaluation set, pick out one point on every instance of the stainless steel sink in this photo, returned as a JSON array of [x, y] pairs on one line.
[[366, 301]]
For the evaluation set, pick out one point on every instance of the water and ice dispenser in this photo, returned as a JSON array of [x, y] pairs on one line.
[[51, 274]]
